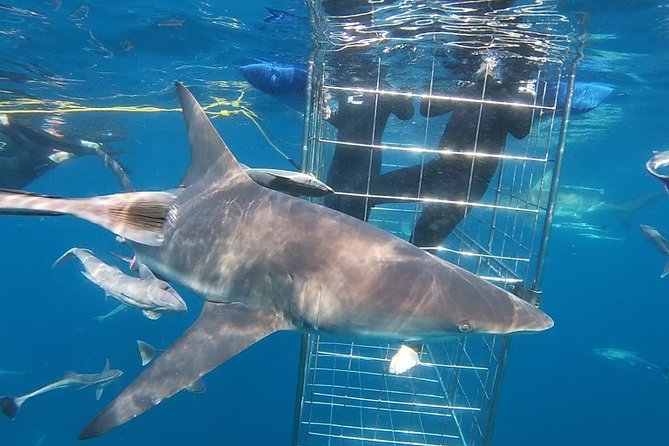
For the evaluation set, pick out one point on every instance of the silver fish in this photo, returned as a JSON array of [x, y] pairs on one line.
[[265, 261], [289, 182]]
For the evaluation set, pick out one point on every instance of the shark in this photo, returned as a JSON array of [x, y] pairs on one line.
[[10, 405], [264, 262], [575, 202], [628, 357], [148, 293], [659, 242]]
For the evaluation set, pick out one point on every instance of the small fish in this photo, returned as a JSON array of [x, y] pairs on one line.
[[281, 16], [658, 161], [148, 293], [659, 242], [628, 357], [10, 405], [404, 360], [289, 182], [147, 352]]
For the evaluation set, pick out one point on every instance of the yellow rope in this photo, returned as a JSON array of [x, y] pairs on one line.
[[227, 109]]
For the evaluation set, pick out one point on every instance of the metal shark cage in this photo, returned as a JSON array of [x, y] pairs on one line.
[[347, 395]]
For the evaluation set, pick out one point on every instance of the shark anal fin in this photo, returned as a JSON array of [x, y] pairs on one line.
[[221, 332]]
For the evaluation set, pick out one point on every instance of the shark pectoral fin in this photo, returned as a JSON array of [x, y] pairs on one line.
[[153, 315], [221, 332], [98, 393], [89, 277]]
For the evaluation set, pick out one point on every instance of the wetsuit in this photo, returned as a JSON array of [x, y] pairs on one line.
[[361, 119], [453, 176], [28, 153]]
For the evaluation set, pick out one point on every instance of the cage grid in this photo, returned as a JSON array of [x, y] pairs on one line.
[[348, 395]]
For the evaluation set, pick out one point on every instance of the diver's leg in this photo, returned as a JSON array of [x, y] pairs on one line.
[[436, 222], [351, 172]]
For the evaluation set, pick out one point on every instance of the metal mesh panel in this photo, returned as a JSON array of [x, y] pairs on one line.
[[348, 396]]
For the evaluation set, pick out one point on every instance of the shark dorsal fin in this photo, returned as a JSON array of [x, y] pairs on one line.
[[145, 273], [106, 367], [210, 157]]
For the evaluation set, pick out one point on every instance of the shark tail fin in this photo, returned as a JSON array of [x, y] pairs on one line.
[[72, 252], [221, 332], [136, 216], [68, 254], [146, 352], [10, 406], [627, 210]]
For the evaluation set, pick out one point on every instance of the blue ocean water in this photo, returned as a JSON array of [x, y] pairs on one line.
[[602, 292]]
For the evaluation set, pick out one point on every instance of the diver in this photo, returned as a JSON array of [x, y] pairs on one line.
[[27, 153], [473, 140], [360, 120]]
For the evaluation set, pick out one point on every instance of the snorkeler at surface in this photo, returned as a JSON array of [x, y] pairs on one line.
[[27, 153], [473, 139]]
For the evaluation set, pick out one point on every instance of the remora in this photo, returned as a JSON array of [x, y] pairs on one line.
[[265, 261]]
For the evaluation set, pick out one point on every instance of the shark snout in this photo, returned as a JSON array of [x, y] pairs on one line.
[[527, 317], [166, 299]]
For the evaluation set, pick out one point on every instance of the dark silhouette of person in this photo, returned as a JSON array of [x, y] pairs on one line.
[[360, 121], [360, 118], [27, 153], [475, 135]]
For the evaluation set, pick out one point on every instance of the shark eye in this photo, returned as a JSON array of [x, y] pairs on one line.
[[465, 326]]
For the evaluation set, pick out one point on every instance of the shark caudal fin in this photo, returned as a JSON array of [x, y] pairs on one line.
[[211, 160], [10, 406], [136, 216], [626, 211], [221, 332]]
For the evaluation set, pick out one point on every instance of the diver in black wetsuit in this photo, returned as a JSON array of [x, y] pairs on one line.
[[27, 153], [361, 118], [360, 121], [473, 127]]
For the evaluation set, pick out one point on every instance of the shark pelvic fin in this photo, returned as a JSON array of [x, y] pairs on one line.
[[210, 157], [221, 332]]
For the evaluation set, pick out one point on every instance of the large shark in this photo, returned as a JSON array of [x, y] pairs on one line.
[[265, 261]]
